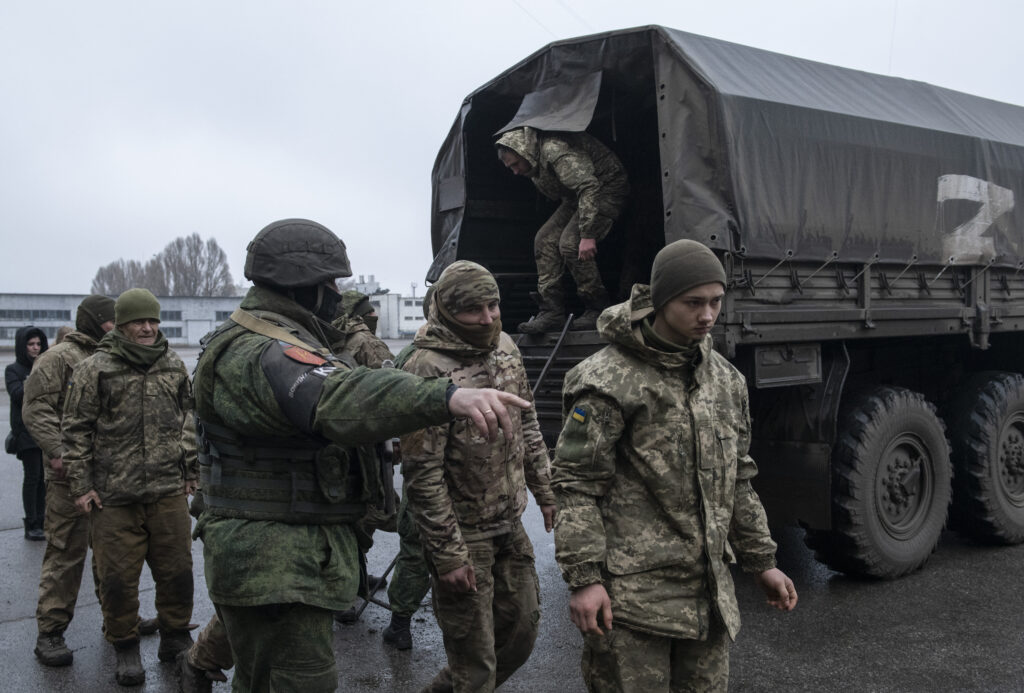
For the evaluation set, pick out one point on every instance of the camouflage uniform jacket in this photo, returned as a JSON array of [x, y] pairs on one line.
[[653, 480], [461, 487], [364, 347], [46, 389], [128, 434], [253, 562], [577, 169]]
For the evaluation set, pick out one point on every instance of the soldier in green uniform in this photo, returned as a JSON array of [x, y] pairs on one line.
[[467, 495], [653, 479], [130, 452], [589, 183], [358, 321], [67, 530], [286, 457]]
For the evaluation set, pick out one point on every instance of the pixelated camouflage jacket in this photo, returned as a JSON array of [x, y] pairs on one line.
[[252, 562], [652, 477], [362, 345], [577, 169], [46, 389], [461, 487], [128, 434]]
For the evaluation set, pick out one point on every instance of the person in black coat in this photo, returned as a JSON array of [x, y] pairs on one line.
[[29, 342]]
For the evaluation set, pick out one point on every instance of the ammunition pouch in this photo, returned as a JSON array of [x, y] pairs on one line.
[[293, 480]]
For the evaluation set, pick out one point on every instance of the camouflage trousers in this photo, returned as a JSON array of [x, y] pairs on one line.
[[126, 535], [488, 634], [630, 661], [411, 579], [285, 648], [211, 650], [556, 248], [67, 545]]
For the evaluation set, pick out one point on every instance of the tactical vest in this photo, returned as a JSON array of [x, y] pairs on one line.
[[296, 480], [301, 480]]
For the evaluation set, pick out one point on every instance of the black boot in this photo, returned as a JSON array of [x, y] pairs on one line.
[[33, 533], [595, 305], [171, 643], [398, 633], [129, 664], [52, 650]]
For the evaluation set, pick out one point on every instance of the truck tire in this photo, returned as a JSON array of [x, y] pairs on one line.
[[891, 486], [986, 421]]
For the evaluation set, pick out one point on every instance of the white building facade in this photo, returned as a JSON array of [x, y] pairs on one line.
[[184, 319]]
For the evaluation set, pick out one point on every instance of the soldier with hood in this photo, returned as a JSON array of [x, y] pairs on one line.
[[654, 489], [130, 452], [287, 430], [29, 343], [589, 182], [67, 530], [467, 494]]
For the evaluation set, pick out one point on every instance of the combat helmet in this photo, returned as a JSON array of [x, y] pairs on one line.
[[293, 253]]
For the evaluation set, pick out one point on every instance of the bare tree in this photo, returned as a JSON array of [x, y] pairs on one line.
[[188, 266]]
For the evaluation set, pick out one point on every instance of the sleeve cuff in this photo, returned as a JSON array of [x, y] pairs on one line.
[[581, 575], [757, 563]]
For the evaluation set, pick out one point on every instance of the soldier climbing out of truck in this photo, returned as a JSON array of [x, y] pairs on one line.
[[589, 181]]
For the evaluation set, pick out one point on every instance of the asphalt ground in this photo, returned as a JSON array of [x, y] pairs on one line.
[[956, 625]]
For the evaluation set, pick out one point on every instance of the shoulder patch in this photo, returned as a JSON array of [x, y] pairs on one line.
[[302, 355], [579, 414]]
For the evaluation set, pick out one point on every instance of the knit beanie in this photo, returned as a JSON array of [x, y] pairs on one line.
[[92, 312], [680, 266], [136, 304]]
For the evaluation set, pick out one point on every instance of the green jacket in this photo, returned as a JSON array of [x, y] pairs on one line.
[[253, 562], [45, 391], [461, 487], [652, 477], [128, 434]]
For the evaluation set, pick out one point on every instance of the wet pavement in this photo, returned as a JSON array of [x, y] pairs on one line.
[[956, 625]]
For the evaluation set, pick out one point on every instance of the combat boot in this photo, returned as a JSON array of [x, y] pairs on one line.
[[52, 650], [148, 626], [129, 664], [595, 305], [171, 643], [398, 633], [191, 679]]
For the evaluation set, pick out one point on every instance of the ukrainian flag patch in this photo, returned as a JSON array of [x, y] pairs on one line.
[[579, 414]]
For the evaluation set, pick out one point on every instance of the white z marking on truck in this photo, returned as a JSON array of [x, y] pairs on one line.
[[966, 244]]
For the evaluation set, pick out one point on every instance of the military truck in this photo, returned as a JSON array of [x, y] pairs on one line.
[[874, 251]]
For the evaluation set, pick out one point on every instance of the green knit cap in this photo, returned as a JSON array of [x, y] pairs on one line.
[[136, 304], [680, 266]]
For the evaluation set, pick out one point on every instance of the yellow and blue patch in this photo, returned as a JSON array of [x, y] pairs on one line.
[[579, 414]]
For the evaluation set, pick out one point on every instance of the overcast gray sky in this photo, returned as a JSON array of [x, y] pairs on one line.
[[126, 124]]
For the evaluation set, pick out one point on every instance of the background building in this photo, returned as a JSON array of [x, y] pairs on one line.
[[185, 319]]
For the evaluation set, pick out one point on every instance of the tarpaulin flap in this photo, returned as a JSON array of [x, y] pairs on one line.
[[567, 107]]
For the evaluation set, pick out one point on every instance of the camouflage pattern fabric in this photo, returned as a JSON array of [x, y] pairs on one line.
[[251, 566], [577, 169], [67, 530], [284, 648], [125, 536], [625, 660], [411, 578], [590, 183], [653, 479], [361, 345], [67, 545], [460, 486], [463, 286], [211, 650], [128, 434], [490, 633], [46, 389]]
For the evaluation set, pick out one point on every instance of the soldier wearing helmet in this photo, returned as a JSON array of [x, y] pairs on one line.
[[286, 465]]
